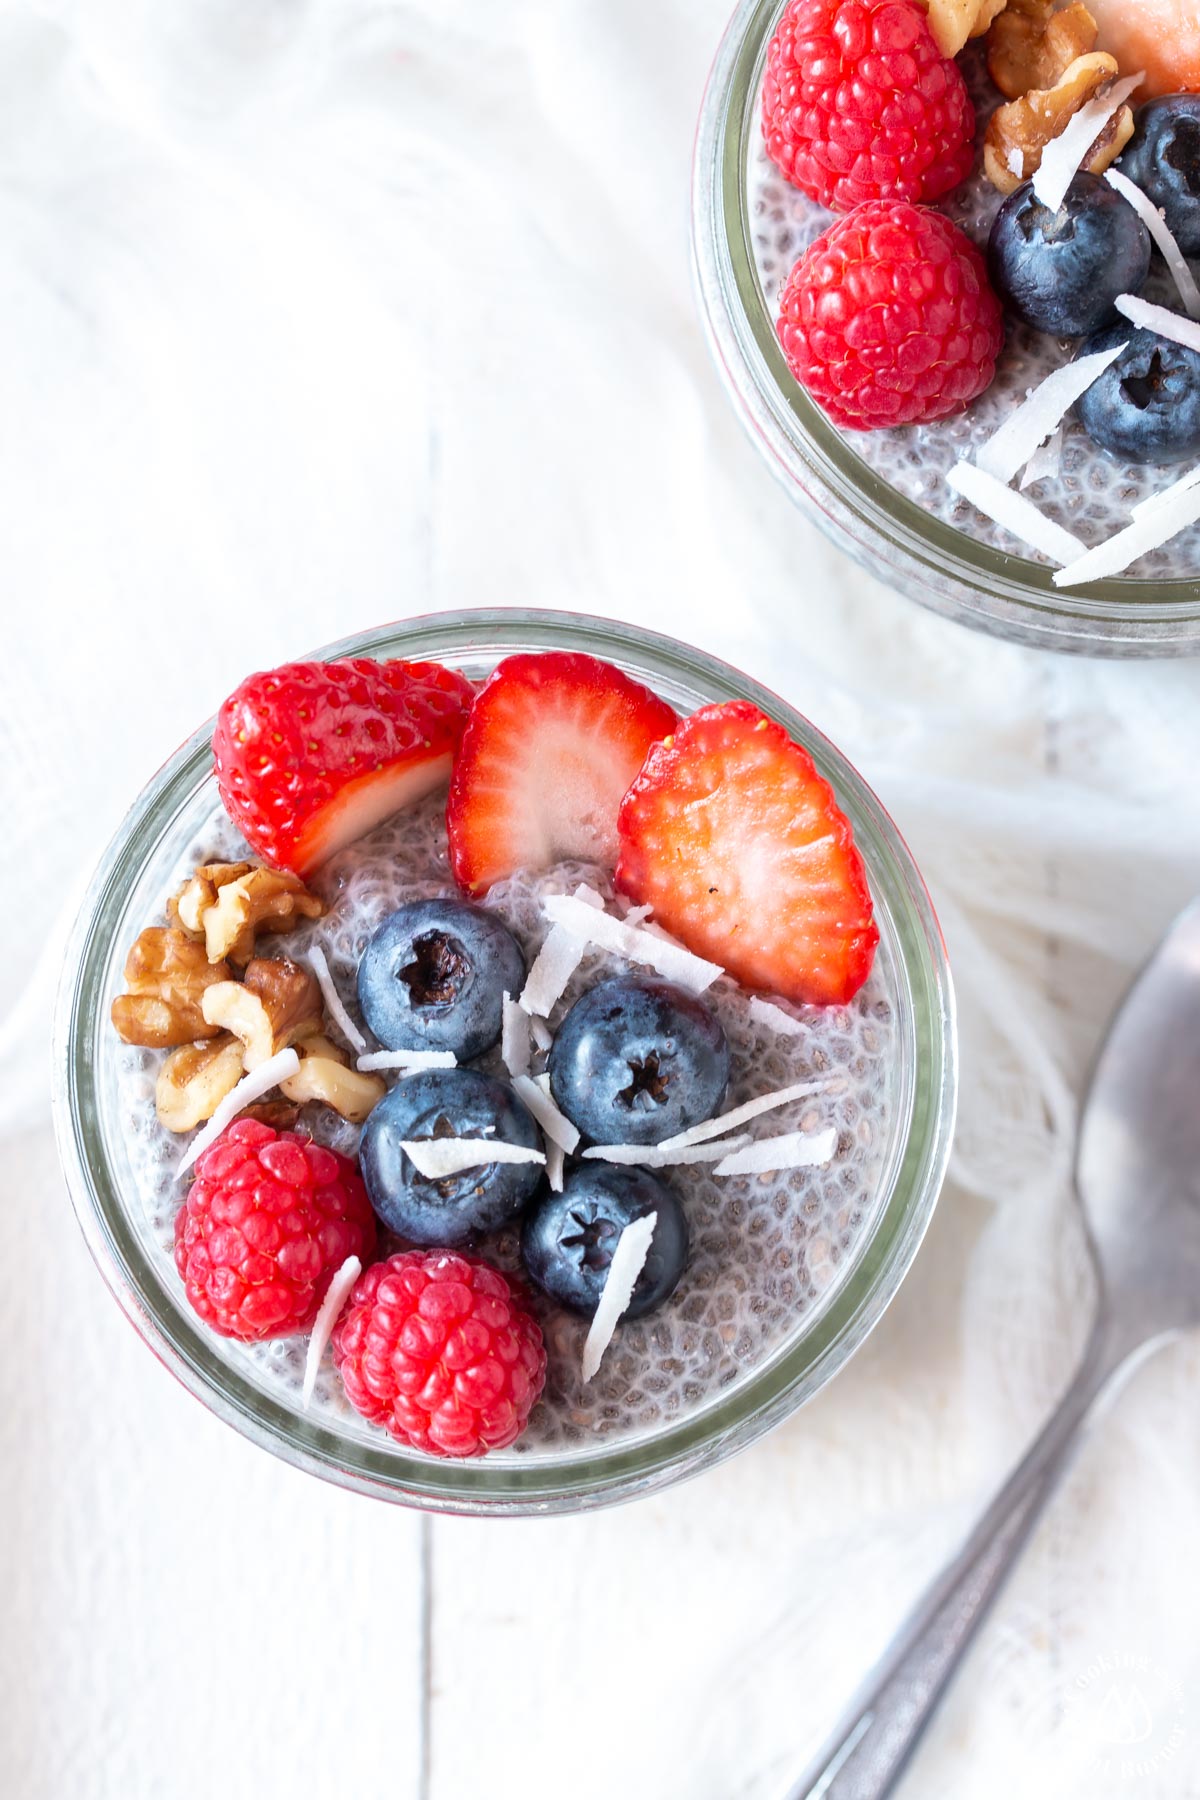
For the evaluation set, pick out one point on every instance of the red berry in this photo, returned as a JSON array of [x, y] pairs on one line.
[[738, 844], [889, 319], [267, 1222], [860, 104], [440, 1349], [551, 745], [312, 755]]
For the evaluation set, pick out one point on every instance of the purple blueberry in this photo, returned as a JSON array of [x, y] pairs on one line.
[[1163, 158], [1061, 271], [568, 1239], [434, 976], [1145, 408]]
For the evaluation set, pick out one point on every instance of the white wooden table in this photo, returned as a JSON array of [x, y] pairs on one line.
[[311, 316]]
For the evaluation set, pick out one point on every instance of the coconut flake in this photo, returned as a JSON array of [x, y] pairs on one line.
[[1014, 512], [557, 1127], [333, 1000], [1166, 496], [1046, 406], [741, 1115], [407, 1061], [1156, 525], [516, 1043], [1148, 317], [1045, 463], [554, 965], [628, 1261], [436, 1158], [555, 1164], [664, 1156], [541, 1033], [1156, 224], [590, 897], [250, 1088], [1015, 162], [335, 1298], [1063, 155], [774, 1017], [633, 915], [638, 943], [790, 1150]]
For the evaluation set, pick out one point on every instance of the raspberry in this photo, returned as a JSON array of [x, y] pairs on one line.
[[860, 104], [888, 318], [440, 1350], [268, 1220]]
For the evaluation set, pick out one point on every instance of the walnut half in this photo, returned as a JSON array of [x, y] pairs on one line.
[[952, 22], [195, 1079], [1017, 134], [228, 904], [167, 975], [277, 1003], [324, 1075], [1032, 46]]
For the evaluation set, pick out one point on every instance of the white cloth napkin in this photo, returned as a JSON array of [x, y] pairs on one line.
[[314, 313]]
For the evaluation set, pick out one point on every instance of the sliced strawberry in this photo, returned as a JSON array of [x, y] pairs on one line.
[[552, 743], [312, 755], [738, 844]]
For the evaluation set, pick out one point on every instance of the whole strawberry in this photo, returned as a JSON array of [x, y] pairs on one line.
[[267, 1222], [441, 1350], [889, 318], [860, 104], [312, 755]]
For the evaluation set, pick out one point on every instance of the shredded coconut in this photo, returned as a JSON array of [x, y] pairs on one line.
[[1015, 513], [557, 1127], [333, 1000], [791, 1150], [436, 1158], [741, 1115], [1148, 317], [408, 1061], [1046, 462], [542, 1035], [1016, 162], [336, 1295], [1063, 155], [629, 1259], [664, 1156], [1046, 406], [775, 1019], [555, 1164], [1167, 496], [1169, 514], [250, 1088], [516, 1043], [1156, 224], [639, 943], [553, 967]]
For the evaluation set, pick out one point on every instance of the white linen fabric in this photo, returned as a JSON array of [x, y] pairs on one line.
[[314, 313]]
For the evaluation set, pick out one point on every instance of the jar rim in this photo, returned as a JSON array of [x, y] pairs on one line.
[[551, 1483]]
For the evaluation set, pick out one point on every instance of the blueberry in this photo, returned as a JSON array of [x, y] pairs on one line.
[[1061, 272], [1163, 157], [1145, 408], [568, 1239], [442, 1103], [636, 1060], [434, 976]]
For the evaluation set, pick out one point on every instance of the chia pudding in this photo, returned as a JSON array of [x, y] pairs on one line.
[[765, 1251], [1092, 493], [768, 1251]]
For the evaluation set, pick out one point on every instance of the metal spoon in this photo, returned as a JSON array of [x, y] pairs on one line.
[[1137, 1172]]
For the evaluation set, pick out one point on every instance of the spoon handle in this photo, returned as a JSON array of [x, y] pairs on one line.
[[869, 1750]]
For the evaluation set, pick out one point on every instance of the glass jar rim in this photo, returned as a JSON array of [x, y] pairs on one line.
[[936, 563], [544, 1484]]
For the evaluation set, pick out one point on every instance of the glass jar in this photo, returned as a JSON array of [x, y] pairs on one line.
[[167, 822], [889, 534]]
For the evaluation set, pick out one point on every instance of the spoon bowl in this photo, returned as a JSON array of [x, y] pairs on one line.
[[1138, 1163]]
